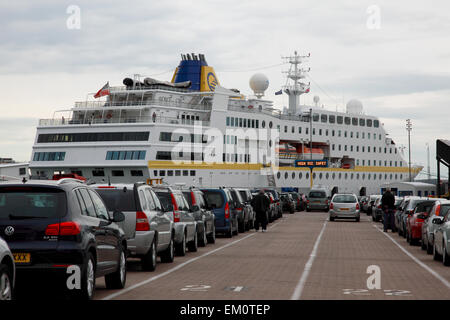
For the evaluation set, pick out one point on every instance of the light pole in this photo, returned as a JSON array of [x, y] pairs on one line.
[[428, 162], [409, 128], [310, 145]]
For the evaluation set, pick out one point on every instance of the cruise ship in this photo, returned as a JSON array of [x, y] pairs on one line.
[[193, 131]]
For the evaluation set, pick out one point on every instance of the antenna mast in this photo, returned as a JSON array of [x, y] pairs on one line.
[[296, 74]]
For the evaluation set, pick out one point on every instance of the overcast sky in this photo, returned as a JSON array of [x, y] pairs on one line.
[[397, 65]]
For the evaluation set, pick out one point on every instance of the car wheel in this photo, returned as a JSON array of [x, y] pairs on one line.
[[241, 226], [436, 255], [445, 257], [118, 279], [181, 248], [331, 218], [308, 210], [203, 240], [6, 287], [168, 255], [422, 244], [193, 245], [236, 230], [429, 248], [407, 237], [212, 237], [357, 219], [88, 278], [148, 261]]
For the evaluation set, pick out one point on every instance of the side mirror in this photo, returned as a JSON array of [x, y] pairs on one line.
[[195, 208], [118, 216], [438, 221]]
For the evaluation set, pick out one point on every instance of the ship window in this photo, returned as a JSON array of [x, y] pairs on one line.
[[240, 122], [351, 148], [155, 172], [331, 118], [362, 122], [333, 175], [339, 119], [300, 175], [192, 173], [320, 132], [314, 175], [340, 175], [136, 173], [228, 121], [332, 147], [326, 132], [355, 121], [129, 155], [307, 175], [285, 128], [162, 173], [232, 121], [293, 175], [245, 123], [117, 173], [369, 122], [357, 148], [339, 147], [185, 173], [347, 120], [315, 117], [248, 123], [122, 155], [257, 124], [270, 124], [49, 156], [376, 123], [170, 173], [385, 176], [93, 137], [379, 136], [306, 130], [345, 134], [320, 175], [363, 176], [368, 176], [263, 124], [390, 176], [332, 133], [380, 176], [339, 133], [278, 175], [177, 173], [314, 131], [22, 171], [345, 147], [285, 175], [293, 129], [357, 176], [299, 129], [163, 155], [351, 134], [98, 173], [253, 123], [323, 118]]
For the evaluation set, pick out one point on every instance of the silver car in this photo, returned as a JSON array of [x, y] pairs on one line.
[[147, 227], [317, 200], [7, 272], [428, 227], [344, 206]]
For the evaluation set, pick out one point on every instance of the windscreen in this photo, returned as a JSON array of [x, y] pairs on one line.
[[344, 199], [317, 194], [31, 202], [118, 199], [243, 195], [213, 198]]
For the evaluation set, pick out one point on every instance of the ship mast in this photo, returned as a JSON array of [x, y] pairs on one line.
[[296, 74]]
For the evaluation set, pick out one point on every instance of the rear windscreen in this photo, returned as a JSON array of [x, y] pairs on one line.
[[243, 195], [344, 199], [117, 199], [213, 197], [165, 199], [31, 202], [295, 196], [188, 196], [317, 194]]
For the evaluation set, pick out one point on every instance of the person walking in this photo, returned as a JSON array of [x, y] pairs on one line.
[[260, 204], [388, 205]]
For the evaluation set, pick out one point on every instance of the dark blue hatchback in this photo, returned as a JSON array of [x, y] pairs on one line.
[[220, 201]]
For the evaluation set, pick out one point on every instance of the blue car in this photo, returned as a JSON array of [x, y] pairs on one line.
[[220, 201]]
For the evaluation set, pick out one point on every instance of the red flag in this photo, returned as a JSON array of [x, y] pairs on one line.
[[103, 91]]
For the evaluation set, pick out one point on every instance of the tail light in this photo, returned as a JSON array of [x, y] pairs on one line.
[[307, 201], [227, 211], [379, 206], [331, 205], [298, 200], [69, 228], [271, 200], [438, 209], [357, 206], [142, 221], [419, 220], [194, 202], [176, 213], [326, 201], [239, 209]]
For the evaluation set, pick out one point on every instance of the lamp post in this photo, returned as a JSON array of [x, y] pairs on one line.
[[310, 145], [409, 128]]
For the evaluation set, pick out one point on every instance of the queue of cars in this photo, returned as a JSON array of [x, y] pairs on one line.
[[426, 222], [49, 226]]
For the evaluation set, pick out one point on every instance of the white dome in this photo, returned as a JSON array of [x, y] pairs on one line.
[[354, 106], [259, 83]]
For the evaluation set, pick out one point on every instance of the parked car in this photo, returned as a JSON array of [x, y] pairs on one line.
[[344, 206], [148, 229], [377, 211], [363, 202], [441, 237], [206, 229], [371, 203], [221, 203], [247, 197], [277, 203], [241, 209], [273, 209], [440, 208], [50, 225], [317, 200], [398, 214], [297, 197], [414, 222], [7, 271], [185, 226], [287, 202]]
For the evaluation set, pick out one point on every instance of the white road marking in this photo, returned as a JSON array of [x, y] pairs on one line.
[[301, 284], [238, 289], [140, 284], [420, 263]]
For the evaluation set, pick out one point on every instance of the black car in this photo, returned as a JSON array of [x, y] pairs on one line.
[[53, 225], [297, 197], [242, 211], [287, 202]]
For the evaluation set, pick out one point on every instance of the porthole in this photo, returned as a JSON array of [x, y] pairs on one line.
[[327, 175], [307, 175], [320, 175], [385, 176], [333, 175], [270, 124], [395, 176], [351, 176], [293, 175], [314, 175], [390, 176], [300, 175], [263, 124], [278, 175], [363, 176], [285, 175], [380, 176], [340, 175], [346, 176], [357, 176], [368, 176]]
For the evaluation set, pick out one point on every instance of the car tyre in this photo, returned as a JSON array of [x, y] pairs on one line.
[[181, 248], [203, 239], [241, 226], [148, 261], [445, 256], [168, 255], [193, 245], [331, 218], [212, 236], [118, 279], [357, 219], [6, 286], [436, 255], [88, 279], [429, 248]]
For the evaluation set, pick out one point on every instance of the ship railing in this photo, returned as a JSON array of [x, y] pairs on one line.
[[137, 103], [139, 119]]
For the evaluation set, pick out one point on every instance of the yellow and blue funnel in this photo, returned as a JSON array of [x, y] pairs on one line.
[[196, 70]]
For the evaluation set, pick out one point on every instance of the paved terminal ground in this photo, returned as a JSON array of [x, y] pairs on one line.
[[302, 256]]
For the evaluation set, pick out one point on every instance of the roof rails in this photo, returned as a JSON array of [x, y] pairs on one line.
[[69, 180]]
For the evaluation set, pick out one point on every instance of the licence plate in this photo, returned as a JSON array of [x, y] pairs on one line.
[[22, 257], [344, 209], [316, 201]]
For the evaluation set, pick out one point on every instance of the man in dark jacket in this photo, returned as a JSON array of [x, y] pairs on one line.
[[388, 206], [261, 204]]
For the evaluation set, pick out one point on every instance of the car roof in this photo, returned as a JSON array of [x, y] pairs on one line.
[[67, 183]]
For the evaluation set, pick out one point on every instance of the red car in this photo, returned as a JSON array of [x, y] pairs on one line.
[[414, 221]]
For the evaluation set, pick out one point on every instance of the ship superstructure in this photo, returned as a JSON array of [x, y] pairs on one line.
[[191, 130]]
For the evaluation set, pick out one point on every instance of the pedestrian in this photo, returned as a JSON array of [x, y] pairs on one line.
[[261, 204], [388, 206]]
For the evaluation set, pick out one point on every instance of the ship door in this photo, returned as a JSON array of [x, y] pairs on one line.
[[362, 191]]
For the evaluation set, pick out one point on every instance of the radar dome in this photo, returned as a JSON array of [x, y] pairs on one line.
[[354, 106], [259, 83]]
